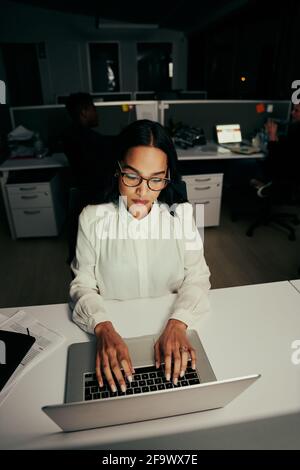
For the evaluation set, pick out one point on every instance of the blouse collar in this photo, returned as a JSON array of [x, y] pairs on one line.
[[126, 216]]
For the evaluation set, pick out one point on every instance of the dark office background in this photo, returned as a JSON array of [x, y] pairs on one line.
[[220, 49], [233, 49]]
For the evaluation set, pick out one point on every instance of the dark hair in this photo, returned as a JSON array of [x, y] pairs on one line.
[[76, 102], [149, 133]]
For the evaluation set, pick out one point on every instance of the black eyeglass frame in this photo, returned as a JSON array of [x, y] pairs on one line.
[[141, 178]]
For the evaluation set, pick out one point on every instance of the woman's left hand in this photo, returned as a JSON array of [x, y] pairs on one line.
[[173, 342]]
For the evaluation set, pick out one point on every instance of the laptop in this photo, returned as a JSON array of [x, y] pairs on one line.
[[229, 136], [149, 396]]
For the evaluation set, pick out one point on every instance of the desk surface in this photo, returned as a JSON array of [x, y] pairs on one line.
[[250, 330], [56, 160], [60, 160], [197, 153]]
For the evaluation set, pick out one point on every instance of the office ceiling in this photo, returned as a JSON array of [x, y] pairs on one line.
[[182, 15]]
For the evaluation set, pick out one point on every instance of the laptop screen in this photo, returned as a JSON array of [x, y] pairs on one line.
[[228, 133]]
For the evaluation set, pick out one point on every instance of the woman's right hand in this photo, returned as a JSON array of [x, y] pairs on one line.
[[112, 352]]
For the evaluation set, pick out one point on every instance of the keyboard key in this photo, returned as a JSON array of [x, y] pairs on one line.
[[160, 374], [95, 389], [134, 384], [137, 377], [145, 376], [184, 383], [191, 375], [113, 394], [142, 383], [152, 375], [150, 382], [161, 387], [137, 390], [153, 388], [157, 381], [88, 397], [96, 396], [129, 391], [104, 395], [169, 385], [194, 381], [145, 389], [120, 393]]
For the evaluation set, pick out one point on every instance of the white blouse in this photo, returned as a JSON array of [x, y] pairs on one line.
[[121, 257]]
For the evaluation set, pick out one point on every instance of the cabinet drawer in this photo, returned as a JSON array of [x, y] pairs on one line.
[[35, 222], [202, 190], [31, 199], [26, 188], [211, 211], [203, 179]]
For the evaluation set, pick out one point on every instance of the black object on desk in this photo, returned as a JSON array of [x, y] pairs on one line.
[[13, 349]]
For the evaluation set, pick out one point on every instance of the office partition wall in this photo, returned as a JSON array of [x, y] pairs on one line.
[[51, 121], [206, 114]]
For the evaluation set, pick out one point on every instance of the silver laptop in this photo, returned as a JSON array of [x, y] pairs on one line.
[[230, 136], [149, 396]]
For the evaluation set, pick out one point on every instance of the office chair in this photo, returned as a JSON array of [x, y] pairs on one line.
[[287, 194]]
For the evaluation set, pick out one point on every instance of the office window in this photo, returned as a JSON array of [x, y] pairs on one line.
[[155, 66], [104, 67]]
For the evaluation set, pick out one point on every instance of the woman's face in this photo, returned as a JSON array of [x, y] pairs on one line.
[[147, 162]]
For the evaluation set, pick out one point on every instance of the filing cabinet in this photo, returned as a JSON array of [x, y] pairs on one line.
[[37, 203], [205, 189]]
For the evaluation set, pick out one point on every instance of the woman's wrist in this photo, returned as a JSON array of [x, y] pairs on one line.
[[100, 327], [174, 323]]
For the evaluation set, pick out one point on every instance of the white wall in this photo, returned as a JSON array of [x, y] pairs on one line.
[[65, 68]]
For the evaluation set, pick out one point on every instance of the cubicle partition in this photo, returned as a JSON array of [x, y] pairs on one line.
[[206, 114], [51, 121]]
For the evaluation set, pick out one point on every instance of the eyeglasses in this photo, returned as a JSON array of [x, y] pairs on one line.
[[132, 180]]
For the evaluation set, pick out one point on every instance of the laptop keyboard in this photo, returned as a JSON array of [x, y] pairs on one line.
[[146, 379]]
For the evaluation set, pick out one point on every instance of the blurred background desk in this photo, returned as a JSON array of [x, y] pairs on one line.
[[203, 168], [33, 197]]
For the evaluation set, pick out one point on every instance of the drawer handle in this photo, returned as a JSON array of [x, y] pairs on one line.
[[28, 189], [205, 202], [202, 189], [202, 179], [29, 197], [31, 212]]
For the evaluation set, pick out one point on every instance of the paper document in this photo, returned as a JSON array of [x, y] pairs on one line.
[[147, 111], [46, 341]]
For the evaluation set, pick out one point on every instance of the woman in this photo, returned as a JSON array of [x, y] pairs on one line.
[[119, 256]]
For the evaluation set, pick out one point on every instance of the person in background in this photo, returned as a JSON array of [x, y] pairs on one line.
[[91, 160], [282, 163], [90, 154], [114, 266]]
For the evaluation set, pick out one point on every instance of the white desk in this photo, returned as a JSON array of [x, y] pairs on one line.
[[296, 284], [249, 330], [197, 153], [57, 160]]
